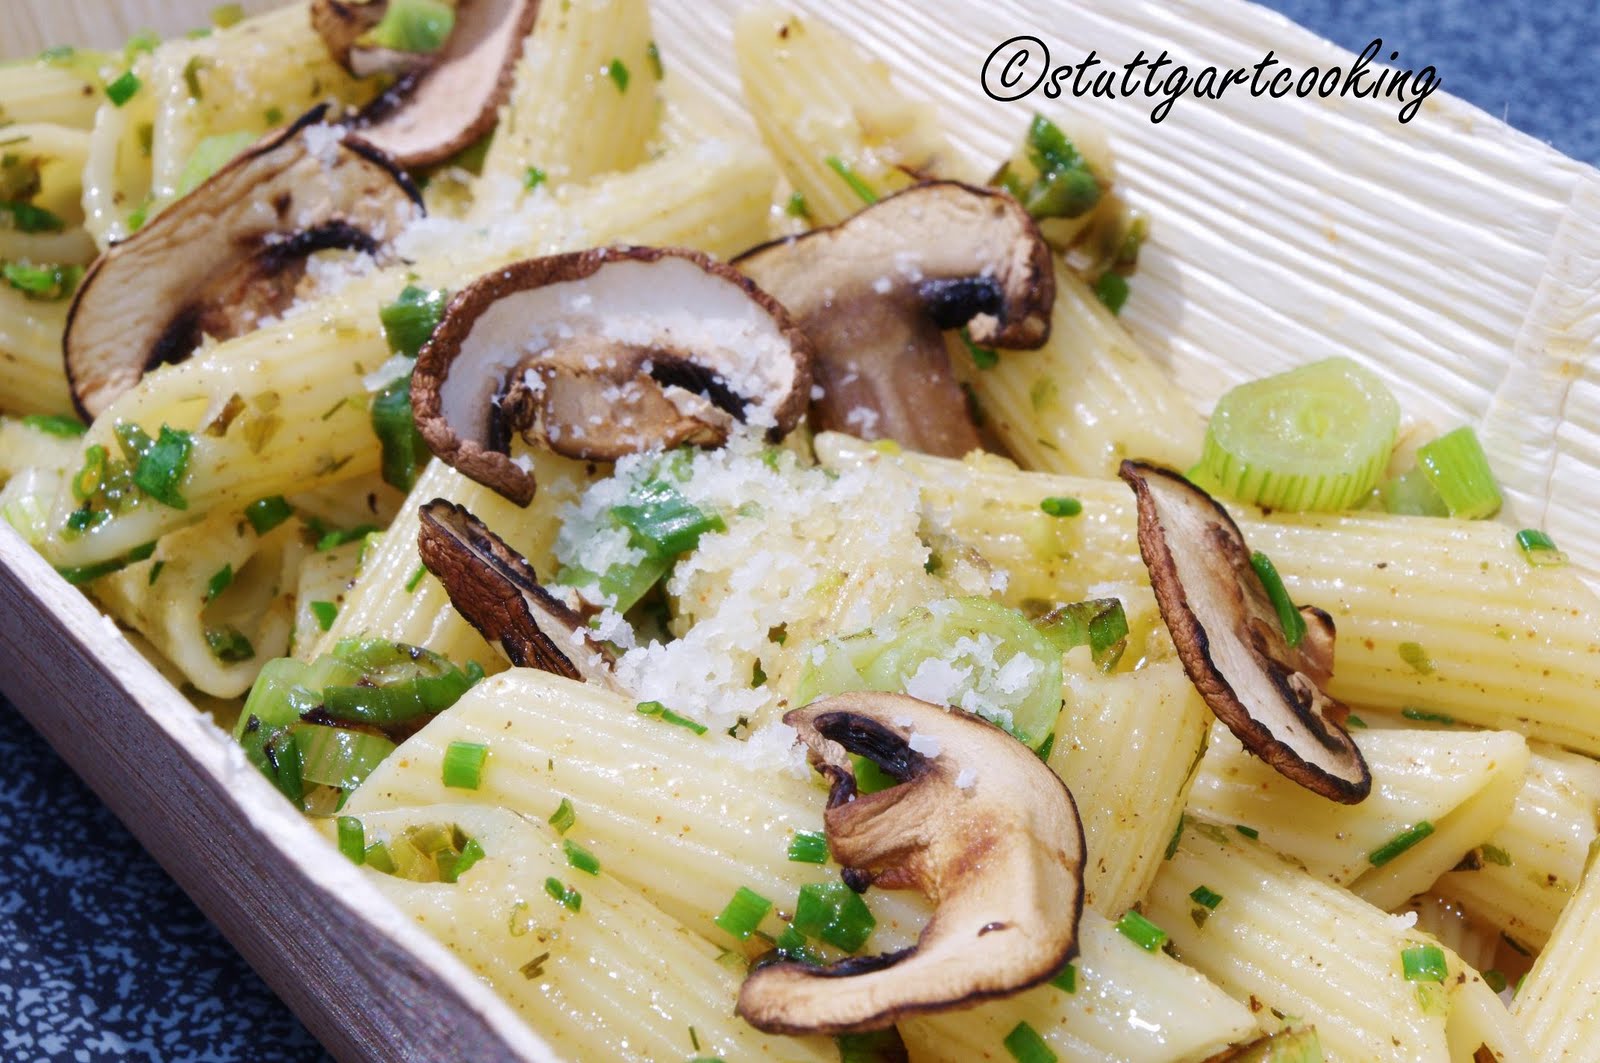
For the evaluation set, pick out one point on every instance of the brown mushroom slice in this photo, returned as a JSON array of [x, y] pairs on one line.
[[229, 253], [602, 353], [978, 824], [875, 292], [454, 99], [1231, 641], [342, 24], [498, 592]]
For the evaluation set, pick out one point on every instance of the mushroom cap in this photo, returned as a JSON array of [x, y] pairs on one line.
[[498, 592], [228, 253], [1231, 641], [1001, 858], [875, 292], [601, 353], [432, 113]]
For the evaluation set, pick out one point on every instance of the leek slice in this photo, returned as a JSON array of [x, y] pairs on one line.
[[1313, 439]]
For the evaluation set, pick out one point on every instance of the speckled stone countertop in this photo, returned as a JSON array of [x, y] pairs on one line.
[[103, 958]]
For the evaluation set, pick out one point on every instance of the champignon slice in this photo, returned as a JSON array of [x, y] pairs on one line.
[[978, 824], [343, 24], [455, 97], [602, 353], [1231, 641], [874, 293], [229, 253], [498, 592]]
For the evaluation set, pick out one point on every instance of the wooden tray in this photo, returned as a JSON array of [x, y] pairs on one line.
[[1304, 207]]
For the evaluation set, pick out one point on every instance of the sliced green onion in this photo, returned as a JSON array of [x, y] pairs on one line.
[[533, 178], [569, 898], [228, 644], [463, 764], [666, 715], [879, 1046], [653, 54], [869, 777], [79, 574], [1400, 843], [1177, 837], [1413, 713], [162, 465], [155, 573], [420, 27], [453, 865], [1424, 963], [409, 321], [352, 839], [403, 450], [563, 817], [580, 858], [1495, 979], [1112, 290], [123, 88], [327, 538], [325, 613], [1058, 506], [617, 71], [1049, 743], [209, 156], [55, 424], [416, 578], [808, 847], [1356, 722], [1289, 618], [1495, 855], [1066, 979], [272, 748], [1314, 438], [743, 913], [982, 357], [1458, 469], [853, 179], [225, 16], [27, 218], [1141, 931], [1413, 654], [663, 522], [47, 283], [1202, 895], [1248, 832], [835, 913], [797, 207], [219, 581], [378, 682], [264, 514], [338, 756], [1539, 548], [377, 857], [1099, 623], [1026, 1046], [1410, 494]]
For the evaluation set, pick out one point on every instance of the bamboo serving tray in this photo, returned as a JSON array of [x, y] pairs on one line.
[[1283, 230]]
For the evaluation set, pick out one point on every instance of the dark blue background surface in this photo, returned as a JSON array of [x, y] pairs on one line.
[[101, 957]]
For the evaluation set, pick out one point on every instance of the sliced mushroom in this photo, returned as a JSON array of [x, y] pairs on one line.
[[228, 253], [874, 293], [454, 97], [603, 353], [978, 824], [1231, 641], [498, 592], [343, 24]]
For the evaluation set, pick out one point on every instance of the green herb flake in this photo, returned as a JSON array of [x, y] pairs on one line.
[[1112, 290], [352, 839], [533, 178], [982, 357], [47, 283], [653, 54], [580, 858], [226, 16], [1495, 979], [228, 644], [743, 913], [1399, 843], [835, 913], [617, 71], [848, 175], [123, 88], [325, 613], [463, 765], [1248, 832], [1026, 1046], [567, 897], [191, 77], [666, 715], [797, 207], [219, 581], [1205, 896], [1411, 712], [1424, 963], [563, 817], [24, 217], [1066, 979], [1172, 843], [416, 578], [1061, 506], [1289, 618], [162, 466], [155, 573], [1141, 931], [1413, 654], [808, 847], [1539, 549], [1354, 722], [264, 514], [54, 424], [1494, 854]]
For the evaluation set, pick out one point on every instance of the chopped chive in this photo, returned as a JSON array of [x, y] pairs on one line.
[[1424, 963], [1400, 843], [1289, 618], [155, 573], [569, 898], [653, 54], [191, 77], [580, 858], [1046, 746], [853, 179], [463, 764], [219, 582], [123, 88], [797, 207], [808, 847], [224, 16], [46, 283], [1203, 895], [879, 1046], [228, 644], [982, 357], [662, 521], [1099, 623], [744, 913], [325, 612], [378, 858], [1112, 290], [55, 424], [409, 321], [1026, 1046], [666, 715], [1172, 843], [1248, 832], [162, 466], [264, 514], [1355, 721], [352, 839], [534, 968], [1539, 548], [27, 218], [329, 539], [533, 178], [1458, 469], [141, 43], [453, 865], [1141, 931], [617, 71], [1410, 712], [1066, 979], [563, 817], [835, 913], [1495, 979], [273, 115], [416, 578], [1495, 855], [1413, 654], [1060, 506]]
